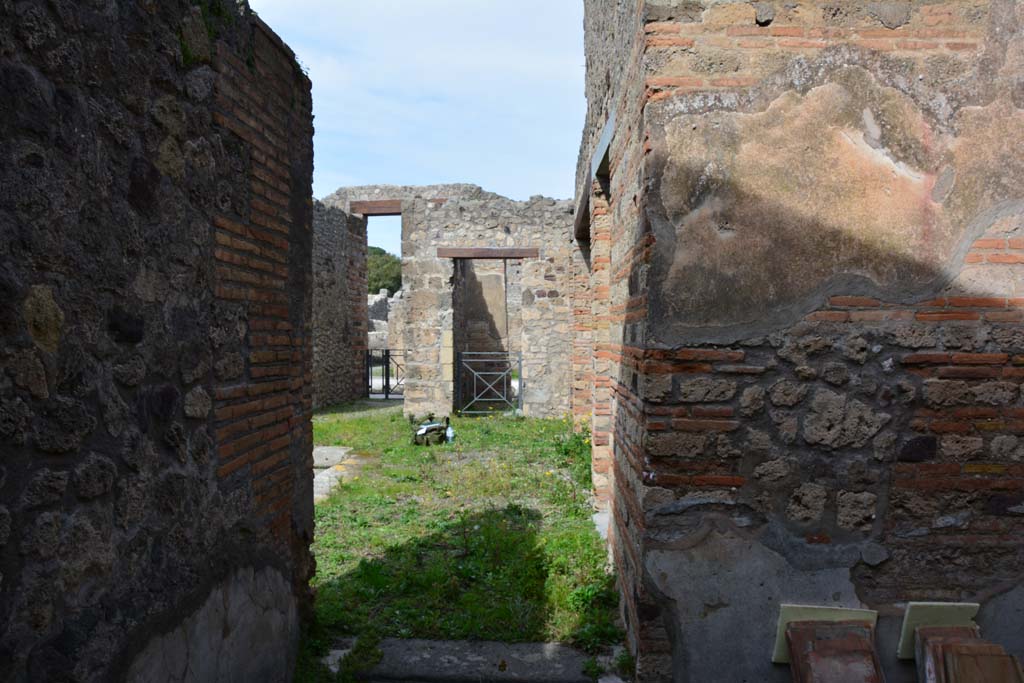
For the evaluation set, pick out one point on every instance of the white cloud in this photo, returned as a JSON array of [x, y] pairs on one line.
[[421, 91]]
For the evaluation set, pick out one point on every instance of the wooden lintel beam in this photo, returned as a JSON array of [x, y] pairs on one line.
[[581, 222], [488, 252], [384, 207]]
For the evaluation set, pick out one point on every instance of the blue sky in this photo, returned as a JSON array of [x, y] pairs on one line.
[[414, 92]]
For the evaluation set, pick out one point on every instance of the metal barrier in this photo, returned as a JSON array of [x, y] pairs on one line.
[[385, 373], [488, 382]]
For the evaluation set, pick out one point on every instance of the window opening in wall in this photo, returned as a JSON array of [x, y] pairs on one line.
[[601, 174]]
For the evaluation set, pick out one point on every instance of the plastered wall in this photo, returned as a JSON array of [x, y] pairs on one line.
[[813, 315]]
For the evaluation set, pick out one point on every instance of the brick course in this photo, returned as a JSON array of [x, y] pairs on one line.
[[158, 271], [867, 431]]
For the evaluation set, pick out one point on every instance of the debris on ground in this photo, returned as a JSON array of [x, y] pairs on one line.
[[434, 433]]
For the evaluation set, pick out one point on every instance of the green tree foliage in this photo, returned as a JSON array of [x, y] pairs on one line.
[[383, 271]]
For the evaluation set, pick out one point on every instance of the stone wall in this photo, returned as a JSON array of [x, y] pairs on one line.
[[340, 317], [812, 213], [378, 305], [487, 307], [534, 294], [544, 297], [155, 358], [396, 322], [344, 196], [488, 313], [609, 291]]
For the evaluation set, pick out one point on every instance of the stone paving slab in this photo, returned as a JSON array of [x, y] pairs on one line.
[[456, 661], [329, 456], [333, 465], [325, 481]]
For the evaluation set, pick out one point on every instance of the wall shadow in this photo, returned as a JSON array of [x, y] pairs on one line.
[[476, 326], [363, 405], [479, 576], [854, 349], [477, 329]]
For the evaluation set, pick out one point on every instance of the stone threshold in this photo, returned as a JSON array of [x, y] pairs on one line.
[[460, 661], [331, 466]]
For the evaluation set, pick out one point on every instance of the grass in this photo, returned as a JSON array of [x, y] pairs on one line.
[[486, 538]]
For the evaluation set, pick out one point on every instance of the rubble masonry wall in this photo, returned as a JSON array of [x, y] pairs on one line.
[[815, 226], [340, 316], [536, 303], [155, 349], [542, 296]]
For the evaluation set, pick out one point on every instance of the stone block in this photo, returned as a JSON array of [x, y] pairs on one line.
[[95, 477], [43, 317], [807, 503], [706, 390], [752, 400], [855, 511], [774, 472], [677, 444], [835, 421], [787, 393], [198, 403], [46, 487]]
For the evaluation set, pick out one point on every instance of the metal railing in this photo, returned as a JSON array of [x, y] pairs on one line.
[[385, 373], [488, 382]]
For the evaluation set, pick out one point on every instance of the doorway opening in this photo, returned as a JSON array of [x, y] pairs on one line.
[[487, 300], [385, 357]]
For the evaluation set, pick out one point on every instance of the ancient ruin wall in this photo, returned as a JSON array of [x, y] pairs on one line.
[[487, 302], [396, 322], [379, 305], [428, 295], [821, 401], [340, 316], [343, 197], [489, 316], [609, 297], [155, 357]]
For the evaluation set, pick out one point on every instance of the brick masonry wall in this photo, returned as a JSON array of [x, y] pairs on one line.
[[610, 294], [155, 350], [340, 315], [820, 402]]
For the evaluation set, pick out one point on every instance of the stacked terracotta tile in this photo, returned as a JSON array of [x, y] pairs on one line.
[[833, 652], [957, 654]]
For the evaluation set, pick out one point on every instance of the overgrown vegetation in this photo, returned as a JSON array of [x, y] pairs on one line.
[[216, 14], [488, 538], [216, 18], [383, 271], [625, 666]]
